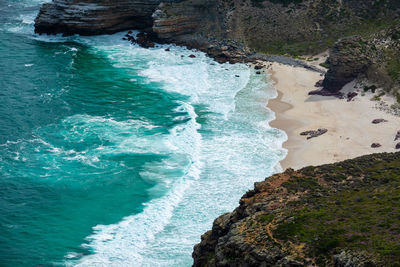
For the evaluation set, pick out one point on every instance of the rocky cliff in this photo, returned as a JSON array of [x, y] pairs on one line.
[[343, 214], [229, 30], [90, 17]]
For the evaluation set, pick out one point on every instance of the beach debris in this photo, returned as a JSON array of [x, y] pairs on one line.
[[351, 95], [258, 72], [397, 137], [377, 121], [258, 67], [376, 145], [398, 146], [312, 133], [237, 75], [192, 56], [319, 83], [168, 49]]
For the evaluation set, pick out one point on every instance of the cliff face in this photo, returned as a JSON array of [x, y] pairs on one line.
[[343, 214], [91, 17], [273, 26]]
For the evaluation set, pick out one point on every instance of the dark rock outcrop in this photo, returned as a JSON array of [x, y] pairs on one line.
[[90, 17], [376, 145], [347, 60], [377, 121], [333, 215], [375, 58], [397, 137], [312, 133]]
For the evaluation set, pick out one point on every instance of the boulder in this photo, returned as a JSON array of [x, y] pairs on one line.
[[377, 121], [397, 137]]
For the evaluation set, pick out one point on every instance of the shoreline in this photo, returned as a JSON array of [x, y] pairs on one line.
[[349, 124]]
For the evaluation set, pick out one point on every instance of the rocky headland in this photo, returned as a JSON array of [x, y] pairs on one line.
[[342, 214]]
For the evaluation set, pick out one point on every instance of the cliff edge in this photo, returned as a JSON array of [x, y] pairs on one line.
[[343, 214]]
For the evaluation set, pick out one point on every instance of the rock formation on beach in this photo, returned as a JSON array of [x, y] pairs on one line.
[[376, 58], [343, 214]]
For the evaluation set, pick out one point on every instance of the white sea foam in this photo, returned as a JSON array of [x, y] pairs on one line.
[[217, 161], [132, 235], [232, 148]]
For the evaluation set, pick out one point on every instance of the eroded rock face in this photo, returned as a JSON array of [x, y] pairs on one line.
[[90, 17]]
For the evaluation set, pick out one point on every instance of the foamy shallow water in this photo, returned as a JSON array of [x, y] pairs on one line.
[[139, 150]]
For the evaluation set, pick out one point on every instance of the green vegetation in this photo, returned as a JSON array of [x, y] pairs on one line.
[[371, 88], [393, 67], [325, 65], [378, 96], [301, 184], [258, 3], [293, 48], [317, 42], [361, 214]]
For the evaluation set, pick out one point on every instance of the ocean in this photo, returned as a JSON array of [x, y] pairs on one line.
[[116, 155]]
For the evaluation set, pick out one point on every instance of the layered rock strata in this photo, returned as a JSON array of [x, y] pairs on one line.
[[92, 17]]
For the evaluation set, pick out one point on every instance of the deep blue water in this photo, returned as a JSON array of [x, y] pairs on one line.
[[111, 154]]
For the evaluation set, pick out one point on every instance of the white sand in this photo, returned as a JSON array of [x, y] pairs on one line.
[[350, 129]]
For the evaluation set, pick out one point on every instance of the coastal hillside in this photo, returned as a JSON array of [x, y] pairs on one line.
[[343, 214], [233, 30]]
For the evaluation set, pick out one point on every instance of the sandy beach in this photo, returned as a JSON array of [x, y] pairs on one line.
[[349, 124]]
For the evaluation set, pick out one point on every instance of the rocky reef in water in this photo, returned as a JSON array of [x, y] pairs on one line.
[[343, 214]]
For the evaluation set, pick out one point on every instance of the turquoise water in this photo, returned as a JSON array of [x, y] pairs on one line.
[[115, 155]]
